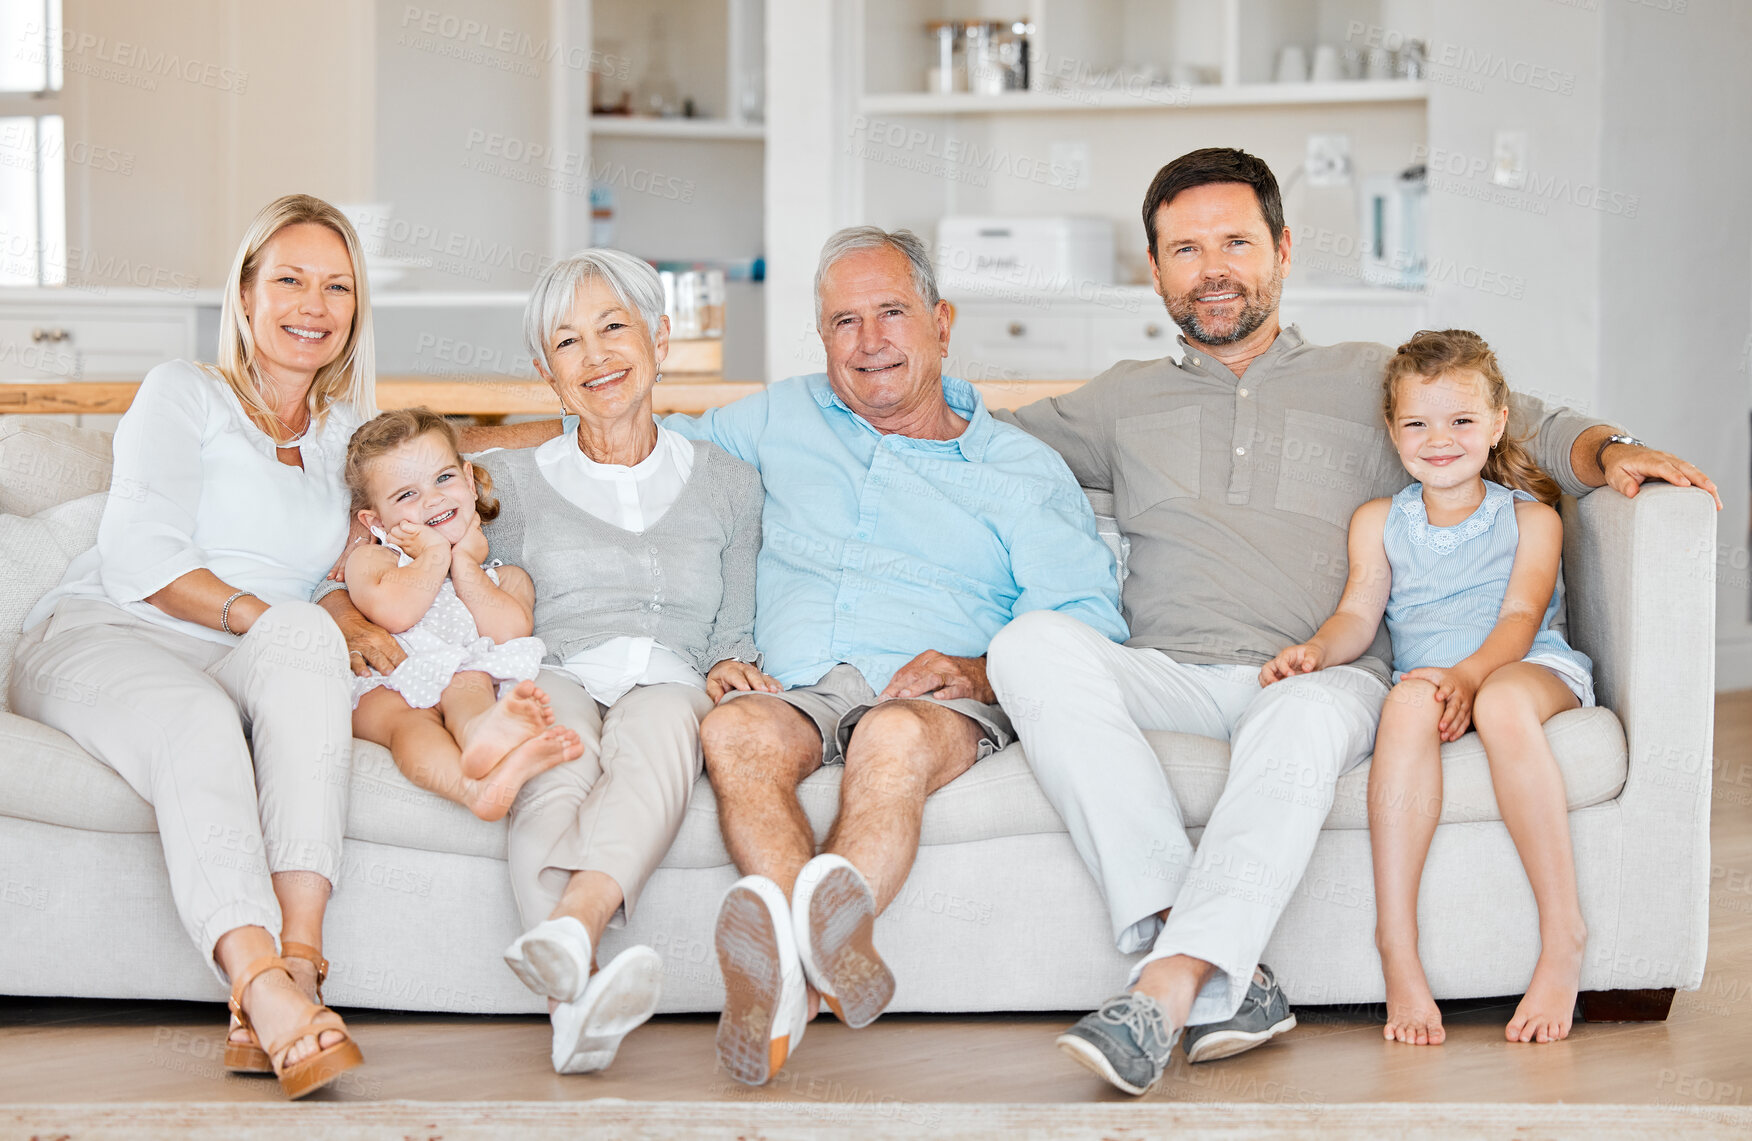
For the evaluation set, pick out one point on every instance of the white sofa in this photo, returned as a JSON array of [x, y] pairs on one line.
[[998, 913]]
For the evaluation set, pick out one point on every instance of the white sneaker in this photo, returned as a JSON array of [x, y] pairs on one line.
[[834, 916], [553, 958], [619, 999], [766, 1003]]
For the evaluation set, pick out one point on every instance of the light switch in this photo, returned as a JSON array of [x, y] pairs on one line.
[[1329, 160], [1509, 160]]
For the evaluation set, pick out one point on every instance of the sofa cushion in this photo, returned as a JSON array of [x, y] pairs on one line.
[[999, 796], [44, 462], [45, 776], [34, 553], [387, 808]]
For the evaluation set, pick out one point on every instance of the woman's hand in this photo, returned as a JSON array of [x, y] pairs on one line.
[[369, 646], [731, 674], [1302, 658], [471, 549], [356, 533], [1455, 689]]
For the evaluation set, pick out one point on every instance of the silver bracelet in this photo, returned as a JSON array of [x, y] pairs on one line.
[[225, 612]]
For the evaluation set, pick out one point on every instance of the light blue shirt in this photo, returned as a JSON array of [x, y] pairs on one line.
[[878, 547]]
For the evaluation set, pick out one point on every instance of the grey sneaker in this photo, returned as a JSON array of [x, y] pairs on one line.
[[1264, 1014], [1128, 1042]]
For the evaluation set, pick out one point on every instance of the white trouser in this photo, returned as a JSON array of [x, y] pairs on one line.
[[614, 810], [1080, 705], [170, 711]]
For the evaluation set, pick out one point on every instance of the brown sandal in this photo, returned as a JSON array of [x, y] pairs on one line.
[[310, 1073], [291, 950], [249, 1057]]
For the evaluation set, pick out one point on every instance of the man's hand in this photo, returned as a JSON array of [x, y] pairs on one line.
[[940, 676], [1455, 690], [1626, 466], [731, 674], [1302, 658]]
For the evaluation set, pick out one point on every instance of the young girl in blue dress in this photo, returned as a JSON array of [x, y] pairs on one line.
[[1464, 564]]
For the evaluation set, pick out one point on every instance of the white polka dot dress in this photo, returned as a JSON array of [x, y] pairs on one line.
[[445, 642]]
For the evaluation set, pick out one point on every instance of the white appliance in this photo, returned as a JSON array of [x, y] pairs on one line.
[[1395, 209], [985, 256]]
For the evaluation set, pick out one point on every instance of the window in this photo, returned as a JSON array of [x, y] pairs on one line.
[[33, 145]]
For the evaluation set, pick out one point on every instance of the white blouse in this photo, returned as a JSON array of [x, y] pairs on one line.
[[633, 499], [196, 484]]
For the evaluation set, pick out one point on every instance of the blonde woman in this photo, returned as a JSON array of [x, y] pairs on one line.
[[188, 626]]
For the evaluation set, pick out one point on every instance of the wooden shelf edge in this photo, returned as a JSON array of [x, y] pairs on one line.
[[1164, 99]]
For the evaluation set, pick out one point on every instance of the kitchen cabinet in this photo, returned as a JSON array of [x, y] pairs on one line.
[[1024, 340]]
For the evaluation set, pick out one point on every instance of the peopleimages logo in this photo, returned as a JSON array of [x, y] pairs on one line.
[[84, 51], [454, 30]]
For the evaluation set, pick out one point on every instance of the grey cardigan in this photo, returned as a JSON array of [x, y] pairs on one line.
[[687, 581]]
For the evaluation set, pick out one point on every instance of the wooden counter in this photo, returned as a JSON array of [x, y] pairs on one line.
[[483, 396]]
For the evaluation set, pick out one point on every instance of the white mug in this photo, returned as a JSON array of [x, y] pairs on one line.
[[1292, 65], [1328, 68]]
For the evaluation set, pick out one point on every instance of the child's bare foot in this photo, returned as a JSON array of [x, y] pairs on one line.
[[512, 720], [1549, 1006], [555, 745], [1412, 1015]]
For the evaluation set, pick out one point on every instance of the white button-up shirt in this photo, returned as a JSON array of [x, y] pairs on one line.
[[633, 499]]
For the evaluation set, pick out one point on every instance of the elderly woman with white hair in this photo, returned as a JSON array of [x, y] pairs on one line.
[[642, 547]]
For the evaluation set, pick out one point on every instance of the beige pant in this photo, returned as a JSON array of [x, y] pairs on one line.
[[170, 712], [616, 809]]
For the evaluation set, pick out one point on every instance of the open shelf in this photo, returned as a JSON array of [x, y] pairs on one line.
[[1157, 99], [630, 126]]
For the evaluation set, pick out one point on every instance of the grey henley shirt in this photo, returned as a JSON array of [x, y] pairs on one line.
[[1237, 493]]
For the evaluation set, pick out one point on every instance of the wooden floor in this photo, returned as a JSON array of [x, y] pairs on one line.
[[1701, 1056]]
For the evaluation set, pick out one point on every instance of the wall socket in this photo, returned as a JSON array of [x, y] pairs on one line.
[[1329, 160]]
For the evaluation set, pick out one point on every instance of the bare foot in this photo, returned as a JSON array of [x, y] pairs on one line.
[[555, 745], [513, 719], [1549, 1006], [1412, 1014], [275, 1006]]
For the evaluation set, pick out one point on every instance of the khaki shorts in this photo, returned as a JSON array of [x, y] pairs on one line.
[[840, 699]]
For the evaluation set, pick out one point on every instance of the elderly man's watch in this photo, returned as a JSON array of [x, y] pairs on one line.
[[1614, 438]]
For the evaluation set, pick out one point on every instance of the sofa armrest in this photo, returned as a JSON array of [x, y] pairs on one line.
[[1640, 579]]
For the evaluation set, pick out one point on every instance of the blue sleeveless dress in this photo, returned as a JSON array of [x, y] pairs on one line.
[[1449, 584]]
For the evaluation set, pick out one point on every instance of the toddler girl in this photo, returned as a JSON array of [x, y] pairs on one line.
[[1465, 565], [462, 715]]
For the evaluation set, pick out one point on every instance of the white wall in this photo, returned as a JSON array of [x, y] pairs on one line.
[[803, 152], [1676, 279], [202, 113], [1520, 267], [458, 118], [1631, 245]]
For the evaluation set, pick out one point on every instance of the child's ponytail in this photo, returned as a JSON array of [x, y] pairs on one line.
[[1431, 353]]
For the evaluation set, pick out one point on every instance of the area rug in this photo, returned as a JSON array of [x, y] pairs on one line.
[[614, 1119]]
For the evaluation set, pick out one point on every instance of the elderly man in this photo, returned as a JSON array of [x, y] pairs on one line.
[[903, 528], [1235, 473]]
